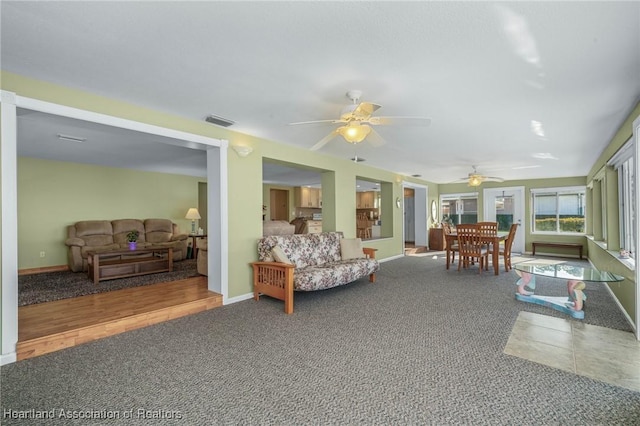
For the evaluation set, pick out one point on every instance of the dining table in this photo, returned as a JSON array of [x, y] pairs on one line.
[[494, 240]]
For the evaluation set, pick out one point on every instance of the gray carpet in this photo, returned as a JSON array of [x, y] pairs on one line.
[[421, 346], [50, 286]]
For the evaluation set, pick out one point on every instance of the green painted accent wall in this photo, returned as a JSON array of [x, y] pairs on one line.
[[55, 194], [528, 186], [625, 290]]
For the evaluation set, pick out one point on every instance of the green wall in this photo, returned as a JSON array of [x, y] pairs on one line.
[[245, 179], [55, 194], [598, 255], [528, 186]]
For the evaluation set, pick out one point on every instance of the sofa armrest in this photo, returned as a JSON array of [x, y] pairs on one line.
[[75, 242], [274, 279], [370, 252], [179, 237]]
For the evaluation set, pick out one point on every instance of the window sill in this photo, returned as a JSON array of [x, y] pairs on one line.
[[629, 263]]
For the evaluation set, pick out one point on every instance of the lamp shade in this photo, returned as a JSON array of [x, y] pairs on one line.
[[354, 133], [192, 214]]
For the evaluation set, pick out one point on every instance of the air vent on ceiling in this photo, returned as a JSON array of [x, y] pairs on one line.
[[214, 119]]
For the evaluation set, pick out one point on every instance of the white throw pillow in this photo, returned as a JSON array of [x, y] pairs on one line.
[[279, 255], [351, 248]]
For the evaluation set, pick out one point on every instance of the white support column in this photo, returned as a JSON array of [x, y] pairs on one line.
[[9, 226], [218, 220]]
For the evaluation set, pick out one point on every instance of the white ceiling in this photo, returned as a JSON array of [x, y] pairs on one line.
[[481, 71]]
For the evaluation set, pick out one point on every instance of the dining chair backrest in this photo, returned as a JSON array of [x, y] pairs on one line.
[[509, 241], [470, 242], [488, 228]]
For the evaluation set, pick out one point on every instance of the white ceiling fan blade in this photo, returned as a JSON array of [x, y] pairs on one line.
[[400, 121], [365, 109], [335, 121], [375, 139], [493, 179], [322, 142]]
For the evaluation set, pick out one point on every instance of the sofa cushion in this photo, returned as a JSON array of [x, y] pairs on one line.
[[158, 230], [121, 227], [94, 232], [351, 248], [280, 256], [331, 275]]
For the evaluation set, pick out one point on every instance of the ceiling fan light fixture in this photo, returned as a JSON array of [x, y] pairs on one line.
[[475, 180], [354, 133]]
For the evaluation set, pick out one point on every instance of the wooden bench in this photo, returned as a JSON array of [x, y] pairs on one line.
[[576, 246]]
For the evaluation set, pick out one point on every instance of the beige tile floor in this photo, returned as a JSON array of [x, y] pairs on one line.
[[604, 354]]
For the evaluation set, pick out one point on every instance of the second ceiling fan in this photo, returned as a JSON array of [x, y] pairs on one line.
[[357, 119]]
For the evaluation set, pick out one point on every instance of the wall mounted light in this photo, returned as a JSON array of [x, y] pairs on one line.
[[242, 150]]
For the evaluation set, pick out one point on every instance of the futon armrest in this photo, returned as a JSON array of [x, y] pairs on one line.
[[370, 252], [75, 242], [179, 237], [273, 265]]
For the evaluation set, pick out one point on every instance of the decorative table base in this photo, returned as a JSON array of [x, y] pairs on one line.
[[557, 303]]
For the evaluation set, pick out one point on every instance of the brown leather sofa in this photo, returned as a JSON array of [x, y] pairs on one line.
[[105, 235], [202, 263]]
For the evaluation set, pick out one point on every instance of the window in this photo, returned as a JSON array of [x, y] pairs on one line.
[[558, 210], [459, 208], [623, 162]]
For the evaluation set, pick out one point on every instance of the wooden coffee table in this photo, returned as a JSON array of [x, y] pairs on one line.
[[109, 265]]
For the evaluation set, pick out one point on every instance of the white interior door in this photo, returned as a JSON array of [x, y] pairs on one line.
[[506, 206]]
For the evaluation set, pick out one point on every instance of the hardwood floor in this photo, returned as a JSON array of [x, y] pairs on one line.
[[51, 326]]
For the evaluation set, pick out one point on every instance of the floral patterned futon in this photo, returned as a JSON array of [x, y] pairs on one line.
[[317, 260]]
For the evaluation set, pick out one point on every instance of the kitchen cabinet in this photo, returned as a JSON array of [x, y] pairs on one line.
[[308, 197], [314, 226], [365, 200]]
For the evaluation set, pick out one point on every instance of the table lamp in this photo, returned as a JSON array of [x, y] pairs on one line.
[[193, 215]]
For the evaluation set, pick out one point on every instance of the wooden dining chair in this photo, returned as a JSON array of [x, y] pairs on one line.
[[471, 246], [505, 250], [452, 244]]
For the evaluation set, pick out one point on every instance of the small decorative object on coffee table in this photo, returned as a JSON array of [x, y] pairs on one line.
[[132, 239]]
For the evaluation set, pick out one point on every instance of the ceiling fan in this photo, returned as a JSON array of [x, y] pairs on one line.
[[475, 179], [357, 119]]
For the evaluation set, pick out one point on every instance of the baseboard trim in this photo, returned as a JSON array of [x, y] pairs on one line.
[[9, 358], [32, 271], [386, 259], [624, 312], [236, 299]]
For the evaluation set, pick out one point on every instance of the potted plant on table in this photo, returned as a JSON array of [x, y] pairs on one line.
[[132, 239]]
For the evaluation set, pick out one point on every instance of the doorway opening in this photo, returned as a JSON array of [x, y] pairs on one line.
[[416, 219]]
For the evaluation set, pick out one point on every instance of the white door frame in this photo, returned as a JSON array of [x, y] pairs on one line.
[[518, 214], [421, 213], [217, 198], [636, 160]]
